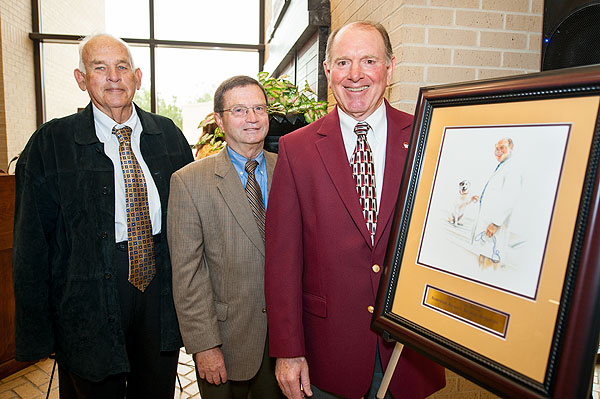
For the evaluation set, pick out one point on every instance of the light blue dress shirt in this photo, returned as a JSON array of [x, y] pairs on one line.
[[239, 163]]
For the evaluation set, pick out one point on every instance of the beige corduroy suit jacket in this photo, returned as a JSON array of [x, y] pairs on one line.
[[218, 258]]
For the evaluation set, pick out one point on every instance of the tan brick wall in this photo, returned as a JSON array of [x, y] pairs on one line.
[[17, 77], [447, 41]]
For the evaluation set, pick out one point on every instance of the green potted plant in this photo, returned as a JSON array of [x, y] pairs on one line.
[[289, 108]]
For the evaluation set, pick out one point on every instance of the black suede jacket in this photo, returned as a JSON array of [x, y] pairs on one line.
[[66, 299]]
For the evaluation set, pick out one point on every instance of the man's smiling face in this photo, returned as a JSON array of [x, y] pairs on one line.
[[248, 131], [358, 74], [109, 77]]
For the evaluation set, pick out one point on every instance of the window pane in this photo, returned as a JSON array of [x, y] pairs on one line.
[[141, 58], [186, 80], [223, 21], [63, 96], [83, 17], [128, 18], [72, 17]]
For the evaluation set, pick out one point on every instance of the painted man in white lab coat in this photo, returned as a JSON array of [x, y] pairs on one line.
[[496, 203]]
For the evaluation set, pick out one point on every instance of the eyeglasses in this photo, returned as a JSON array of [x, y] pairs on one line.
[[239, 111]]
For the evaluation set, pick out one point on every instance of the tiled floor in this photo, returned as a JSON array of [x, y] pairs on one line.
[[32, 382]]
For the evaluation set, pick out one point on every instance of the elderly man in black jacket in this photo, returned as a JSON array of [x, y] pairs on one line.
[[111, 325]]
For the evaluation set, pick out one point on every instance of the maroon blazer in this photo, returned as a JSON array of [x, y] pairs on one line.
[[320, 279]]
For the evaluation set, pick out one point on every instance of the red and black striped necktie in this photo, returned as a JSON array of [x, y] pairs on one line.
[[363, 171]]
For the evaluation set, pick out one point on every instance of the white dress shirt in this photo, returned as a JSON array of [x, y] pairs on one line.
[[377, 138], [104, 125]]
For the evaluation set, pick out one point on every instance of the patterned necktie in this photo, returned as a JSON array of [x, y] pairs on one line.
[[255, 197], [363, 171], [140, 242]]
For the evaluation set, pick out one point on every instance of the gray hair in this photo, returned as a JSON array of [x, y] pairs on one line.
[[363, 25], [102, 34]]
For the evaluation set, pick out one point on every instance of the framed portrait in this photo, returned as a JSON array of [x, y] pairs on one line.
[[493, 265]]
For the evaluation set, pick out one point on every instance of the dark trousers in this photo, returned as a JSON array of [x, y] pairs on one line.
[[152, 372], [375, 384], [262, 386]]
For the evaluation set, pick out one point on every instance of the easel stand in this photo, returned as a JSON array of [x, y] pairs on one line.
[[389, 371]]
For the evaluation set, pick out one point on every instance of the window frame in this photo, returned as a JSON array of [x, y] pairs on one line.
[[39, 38]]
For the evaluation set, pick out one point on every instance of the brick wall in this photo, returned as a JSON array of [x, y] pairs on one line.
[[445, 41], [18, 93]]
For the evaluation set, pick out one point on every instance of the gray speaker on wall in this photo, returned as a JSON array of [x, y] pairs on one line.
[[571, 33]]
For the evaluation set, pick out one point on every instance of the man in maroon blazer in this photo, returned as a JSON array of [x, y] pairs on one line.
[[327, 232]]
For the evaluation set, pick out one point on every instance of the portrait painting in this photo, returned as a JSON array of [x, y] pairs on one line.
[[491, 202]]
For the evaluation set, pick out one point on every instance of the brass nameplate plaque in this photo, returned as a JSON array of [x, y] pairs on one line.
[[470, 312]]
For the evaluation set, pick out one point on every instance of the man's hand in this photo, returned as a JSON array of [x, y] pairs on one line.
[[292, 374], [491, 230], [211, 366]]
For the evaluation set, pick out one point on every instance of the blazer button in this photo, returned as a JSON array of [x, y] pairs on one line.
[[104, 190], [370, 309], [264, 310], [107, 276], [376, 268], [104, 234]]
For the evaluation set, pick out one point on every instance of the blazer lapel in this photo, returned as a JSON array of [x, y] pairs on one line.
[[398, 133], [271, 160], [333, 154], [234, 196]]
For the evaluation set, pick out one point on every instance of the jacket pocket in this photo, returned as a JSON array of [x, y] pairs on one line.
[[314, 304], [221, 309]]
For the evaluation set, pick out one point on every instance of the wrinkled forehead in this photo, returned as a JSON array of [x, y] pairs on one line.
[[244, 95], [348, 35]]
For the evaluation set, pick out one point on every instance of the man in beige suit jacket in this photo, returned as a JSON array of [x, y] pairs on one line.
[[216, 240]]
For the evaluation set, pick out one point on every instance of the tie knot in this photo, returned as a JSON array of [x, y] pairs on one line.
[[123, 134], [251, 166], [361, 128]]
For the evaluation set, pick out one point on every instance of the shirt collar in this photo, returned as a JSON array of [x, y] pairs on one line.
[[376, 121], [240, 162], [106, 123]]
